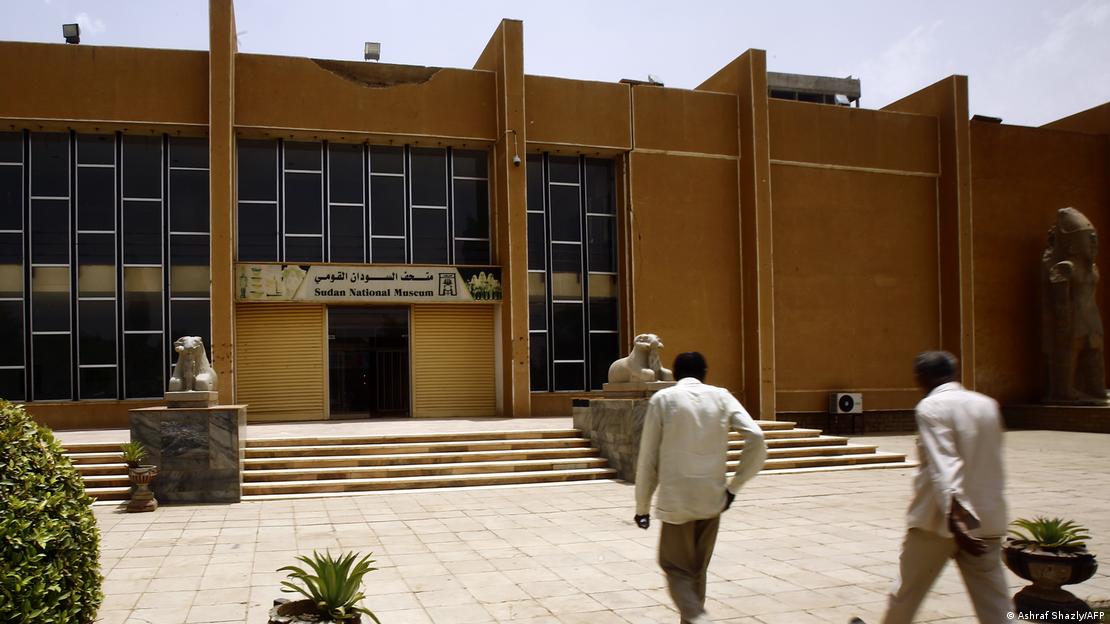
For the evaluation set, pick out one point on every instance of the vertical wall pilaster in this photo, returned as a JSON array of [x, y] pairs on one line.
[[221, 145]]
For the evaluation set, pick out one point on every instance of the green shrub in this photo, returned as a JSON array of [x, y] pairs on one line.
[[49, 541], [334, 585]]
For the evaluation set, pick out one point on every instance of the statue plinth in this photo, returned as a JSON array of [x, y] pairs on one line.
[[191, 399], [634, 389]]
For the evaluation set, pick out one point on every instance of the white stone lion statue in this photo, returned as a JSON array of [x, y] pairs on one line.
[[642, 364], [192, 371]]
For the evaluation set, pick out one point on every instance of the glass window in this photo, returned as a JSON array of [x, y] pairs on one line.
[[535, 183], [569, 376], [429, 236], [387, 206], [188, 152], [304, 248], [11, 384], [142, 167], [142, 232], [96, 336], [302, 156], [96, 265], [257, 170], [537, 300], [11, 265], [599, 187], [563, 169], [191, 318], [189, 275], [604, 349], [142, 298], [304, 203], [144, 365], [347, 234], [567, 331], [97, 383], [50, 299], [96, 149], [602, 247], [11, 197], [472, 252], [566, 214], [49, 164], [96, 198], [11, 147], [11, 334], [537, 242], [471, 209], [603, 302], [566, 258], [189, 193], [537, 356], [387, 159], [49, 231], [387, 250], [429, 177], [257, 232], [345, 173], [471, 163], [51, 368]]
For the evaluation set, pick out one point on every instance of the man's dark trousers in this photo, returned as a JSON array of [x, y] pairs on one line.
[[684, 554]]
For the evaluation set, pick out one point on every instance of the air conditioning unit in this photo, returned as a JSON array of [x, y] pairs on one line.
[[845, 403]]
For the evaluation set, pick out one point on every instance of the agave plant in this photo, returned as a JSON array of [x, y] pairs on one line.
[[334, 584], [1050, 533], [133, 453]]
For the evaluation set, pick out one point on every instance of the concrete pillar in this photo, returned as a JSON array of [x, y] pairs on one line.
[[221, 146]]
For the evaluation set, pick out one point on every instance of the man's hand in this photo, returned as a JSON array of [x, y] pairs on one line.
[[729, 497], [643, 521], [961, 522]]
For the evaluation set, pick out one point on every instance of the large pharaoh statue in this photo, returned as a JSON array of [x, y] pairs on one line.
[[1071, 328]]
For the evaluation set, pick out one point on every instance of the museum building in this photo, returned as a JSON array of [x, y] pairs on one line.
[[357, 240]]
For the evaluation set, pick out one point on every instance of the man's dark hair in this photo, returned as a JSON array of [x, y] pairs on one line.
[[690, 364], [935, 367]]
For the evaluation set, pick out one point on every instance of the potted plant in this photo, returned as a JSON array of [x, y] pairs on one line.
[[1050, 552], [142, 499], [332, 590], [133, 453]]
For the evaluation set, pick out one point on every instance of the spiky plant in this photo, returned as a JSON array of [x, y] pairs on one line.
[[334, 584], [133, 453], [1049, 533]]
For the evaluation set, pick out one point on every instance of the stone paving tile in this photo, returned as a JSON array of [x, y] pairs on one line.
[[798, 548]]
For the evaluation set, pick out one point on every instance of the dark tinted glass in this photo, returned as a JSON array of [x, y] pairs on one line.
[[11, 147], [566, 258], [96, 259], [257, 170], [347, 234], [537, 356], [11, 384], [537, 245], [189, 200], [50, 231], [603, 350], [471, 208], [50, 298], [304, 203], [191, 318], [188, 152], [97, 383], [602, 244], [566, 214], [96, 198], [535, 183], [11, 250], [11, 197], [429, 177], [345, 173], [472, 252], [142, 167], [603, 313], [429, 236], [11, 333], [387, 206], [567, 331], [96, 336], [304, 249], [142, 232], [143, 365], [189, 275], [387, 250], [142, 298], [96, 149], [537, 300], [569, 376], [258, 232], [471, 163], [304, 156], [385, 159], [563, 168], [599, 187], [51, 374], [49, 165]]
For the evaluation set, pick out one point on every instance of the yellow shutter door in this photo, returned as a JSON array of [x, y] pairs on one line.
[[453, 361], [280, 360]]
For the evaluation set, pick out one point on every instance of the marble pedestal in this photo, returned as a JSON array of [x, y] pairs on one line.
[[199, 451], [613, 427]]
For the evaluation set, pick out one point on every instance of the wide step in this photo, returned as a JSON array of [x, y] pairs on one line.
[[341, 461], [404, 483], [387, 472], [396, 448]]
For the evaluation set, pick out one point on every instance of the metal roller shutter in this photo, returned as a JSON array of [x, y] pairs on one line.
[[453, 361], [280, 360]]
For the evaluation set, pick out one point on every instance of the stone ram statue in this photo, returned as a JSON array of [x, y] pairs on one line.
[[642, 364], [193, 371]]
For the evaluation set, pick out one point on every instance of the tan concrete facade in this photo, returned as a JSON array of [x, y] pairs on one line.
[[803, 248]]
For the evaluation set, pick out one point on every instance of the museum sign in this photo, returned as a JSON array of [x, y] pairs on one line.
[[331, 283]]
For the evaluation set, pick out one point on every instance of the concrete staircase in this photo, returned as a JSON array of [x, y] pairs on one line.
[[306, 466]]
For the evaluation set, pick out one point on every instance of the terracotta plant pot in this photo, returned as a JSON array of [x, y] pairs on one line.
[[302, 612], [142, 499], [1048, 570]]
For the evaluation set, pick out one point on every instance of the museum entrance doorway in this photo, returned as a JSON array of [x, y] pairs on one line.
[[368, 362]]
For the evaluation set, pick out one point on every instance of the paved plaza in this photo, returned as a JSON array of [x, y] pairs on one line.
[[795, 548]]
